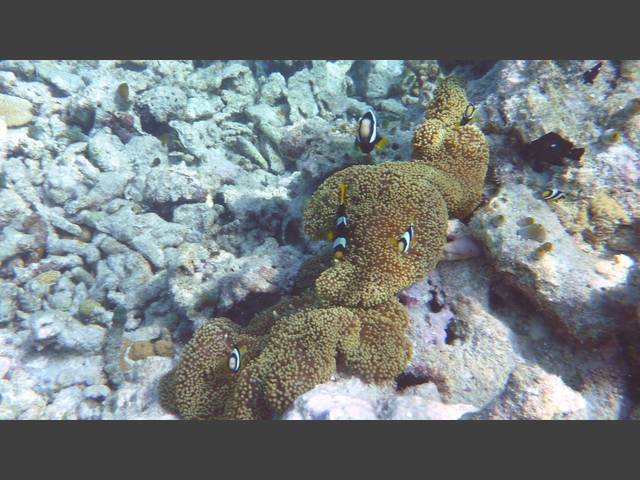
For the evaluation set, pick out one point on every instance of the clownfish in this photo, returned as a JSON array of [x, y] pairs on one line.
[[368, 136], [339, 235], [403, 244], [468, 114], [553, 194], [234, 360]]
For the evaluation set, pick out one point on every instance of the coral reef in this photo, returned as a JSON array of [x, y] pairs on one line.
[[382, 201], [142, 200], [286, 355], [362, 324], [573, 291], [606, 214], [444, 180]]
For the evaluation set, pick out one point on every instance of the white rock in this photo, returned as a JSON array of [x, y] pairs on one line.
[[5, 365]]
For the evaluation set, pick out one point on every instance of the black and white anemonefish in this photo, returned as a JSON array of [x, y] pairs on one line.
[[234, 362], [404, 242], [553, 194], [368, 136], [341, 226], [468, 114], [342, 223]]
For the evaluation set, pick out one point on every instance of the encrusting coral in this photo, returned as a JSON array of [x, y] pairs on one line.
[[349, 318], [606, 214]]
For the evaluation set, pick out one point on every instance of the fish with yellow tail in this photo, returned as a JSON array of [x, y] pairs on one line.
[[468, 115], [341, 226], [403, 244], [234, 360], [368, 136], [552, 194]]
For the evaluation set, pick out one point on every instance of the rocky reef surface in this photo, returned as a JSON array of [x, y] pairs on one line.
[[139, 199]]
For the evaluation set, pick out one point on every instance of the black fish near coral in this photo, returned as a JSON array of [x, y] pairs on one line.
[[368, 136], [590, 75], [339, 234], [551, 148]]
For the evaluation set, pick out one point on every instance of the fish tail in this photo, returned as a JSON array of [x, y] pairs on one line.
[[575, 153], [381, 143], [342, 192]]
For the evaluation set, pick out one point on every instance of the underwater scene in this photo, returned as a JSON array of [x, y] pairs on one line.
[[311, 239]]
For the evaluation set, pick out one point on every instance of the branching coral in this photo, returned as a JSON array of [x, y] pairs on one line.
[[351, 320]]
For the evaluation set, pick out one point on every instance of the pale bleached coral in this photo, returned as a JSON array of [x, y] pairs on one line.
[[15, 111]]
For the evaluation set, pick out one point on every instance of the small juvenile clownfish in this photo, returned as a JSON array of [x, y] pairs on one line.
[[467, 116], [404, 242], [368, 136], [341, 227], [553, 194], [234, 362]]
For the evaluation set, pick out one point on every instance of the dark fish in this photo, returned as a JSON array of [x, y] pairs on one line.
[[590, 75], [551, 148]]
